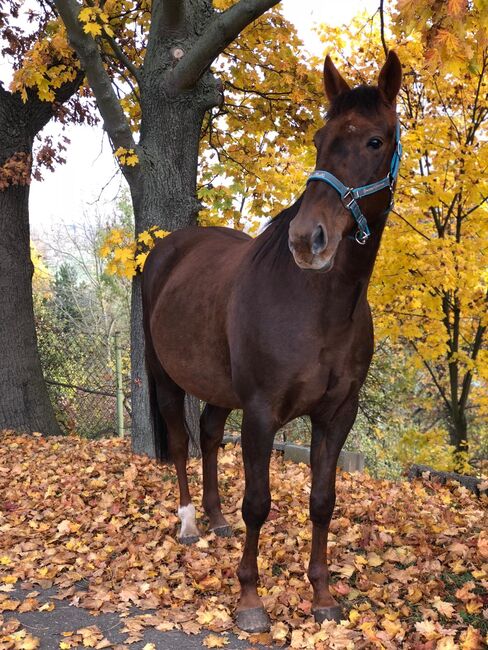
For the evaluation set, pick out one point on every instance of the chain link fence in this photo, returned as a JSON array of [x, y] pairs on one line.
[[88, 379]]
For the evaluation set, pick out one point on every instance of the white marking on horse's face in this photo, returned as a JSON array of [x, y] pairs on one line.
[[351, 128], [188, 521]]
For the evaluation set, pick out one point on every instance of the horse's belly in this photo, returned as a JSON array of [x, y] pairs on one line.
[[214, 388], [188, 333]]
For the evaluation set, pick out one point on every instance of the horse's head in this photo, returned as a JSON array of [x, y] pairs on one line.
[[355, 147]]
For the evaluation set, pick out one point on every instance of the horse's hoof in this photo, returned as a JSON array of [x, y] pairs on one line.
[[253, 620], [189, 540], [333, 613], [223, 531]]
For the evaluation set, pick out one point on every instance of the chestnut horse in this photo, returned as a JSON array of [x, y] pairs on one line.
[[278, 326]]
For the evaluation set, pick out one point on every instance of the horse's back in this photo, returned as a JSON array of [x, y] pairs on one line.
[[195, 243], [187, 281]]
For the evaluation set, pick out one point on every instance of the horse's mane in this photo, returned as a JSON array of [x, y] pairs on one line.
[[272, 243]]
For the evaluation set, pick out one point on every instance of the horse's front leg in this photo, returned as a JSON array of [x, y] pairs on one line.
[[257, 442], [327, 441]]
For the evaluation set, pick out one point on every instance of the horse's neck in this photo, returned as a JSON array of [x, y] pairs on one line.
[[356, 261], [341, 291], [338, 291]]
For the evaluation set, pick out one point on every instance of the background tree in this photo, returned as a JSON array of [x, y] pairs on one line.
[[78, 308], [46, 75], [434, 293]]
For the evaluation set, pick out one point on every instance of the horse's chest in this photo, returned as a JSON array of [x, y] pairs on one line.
[[329, 375]]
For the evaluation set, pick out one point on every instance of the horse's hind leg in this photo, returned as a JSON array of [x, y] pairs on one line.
[[212, 424], [171, 402]]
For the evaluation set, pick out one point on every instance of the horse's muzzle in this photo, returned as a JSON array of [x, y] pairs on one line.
[[308, 249]]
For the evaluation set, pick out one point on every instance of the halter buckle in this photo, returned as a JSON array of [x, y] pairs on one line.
[[344, 198]]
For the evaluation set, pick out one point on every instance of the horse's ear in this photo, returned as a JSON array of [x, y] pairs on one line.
[[334, 84], [390, 78]]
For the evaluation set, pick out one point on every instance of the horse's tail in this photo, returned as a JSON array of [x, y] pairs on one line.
[[160, 429]]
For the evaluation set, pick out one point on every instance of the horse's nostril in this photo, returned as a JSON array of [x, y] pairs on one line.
[[319, 241]]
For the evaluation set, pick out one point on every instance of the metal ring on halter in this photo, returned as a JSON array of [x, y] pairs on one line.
[[361, 237]]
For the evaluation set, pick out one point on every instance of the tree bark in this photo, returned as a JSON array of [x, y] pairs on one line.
[[24, 401], [168, 152], [459, 431]]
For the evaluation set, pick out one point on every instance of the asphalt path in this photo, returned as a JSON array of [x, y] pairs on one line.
[[48, 626]]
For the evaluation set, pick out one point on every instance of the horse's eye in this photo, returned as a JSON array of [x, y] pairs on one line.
[[375, 143]]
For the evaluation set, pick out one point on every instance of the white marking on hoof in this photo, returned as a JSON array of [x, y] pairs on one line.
[[188, 522]]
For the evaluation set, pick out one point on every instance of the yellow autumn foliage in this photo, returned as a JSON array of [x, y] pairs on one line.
[[125, 255], [48, 65], [430, 285], [42, 276], [429, 448], [126, 156]]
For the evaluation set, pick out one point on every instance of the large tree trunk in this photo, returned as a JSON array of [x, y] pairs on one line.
[[169, 157], [24, 402]]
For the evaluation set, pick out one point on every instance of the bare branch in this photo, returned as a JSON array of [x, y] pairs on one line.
[[222, 30], [86, 48], [397, 214], [122, 57], [382, 23], [441, 390]]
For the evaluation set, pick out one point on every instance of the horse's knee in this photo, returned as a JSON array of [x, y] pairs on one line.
[[317, 573], [178, 449], [322, 507], [255, 509], [247, 574]]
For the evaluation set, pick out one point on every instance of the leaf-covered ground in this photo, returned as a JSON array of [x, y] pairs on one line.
[[408, 561]]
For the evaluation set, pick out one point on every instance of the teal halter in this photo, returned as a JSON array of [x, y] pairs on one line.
[[349, 195]]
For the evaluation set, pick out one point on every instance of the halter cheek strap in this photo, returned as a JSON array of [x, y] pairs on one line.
[[349, 195]]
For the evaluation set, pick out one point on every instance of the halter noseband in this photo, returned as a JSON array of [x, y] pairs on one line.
[[349, 195]]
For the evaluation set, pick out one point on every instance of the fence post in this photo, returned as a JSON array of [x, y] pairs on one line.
[[120, 392]]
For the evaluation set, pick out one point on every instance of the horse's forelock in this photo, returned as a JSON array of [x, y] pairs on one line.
[[365, 99]]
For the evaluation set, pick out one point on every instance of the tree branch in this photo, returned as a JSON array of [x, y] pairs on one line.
[[442, 392], [86, 48], [222, 30], [122, 57]]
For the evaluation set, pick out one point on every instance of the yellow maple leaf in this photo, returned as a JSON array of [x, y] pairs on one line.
[[132, 160], [86, 14], [92, 28], [444, 608], [427, 629]]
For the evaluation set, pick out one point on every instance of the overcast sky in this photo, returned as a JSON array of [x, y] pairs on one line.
[[90, 174]]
